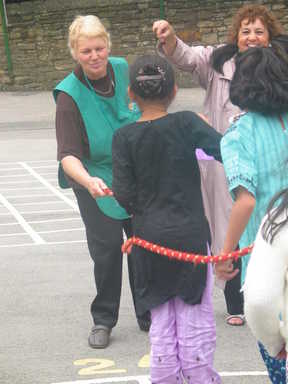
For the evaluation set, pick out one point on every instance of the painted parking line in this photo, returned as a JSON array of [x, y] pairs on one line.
[[42, 221], [20, 219], [39, 203], [25, 174], [44, 244], [53, 220], [49, 186], [68, 193], [41, 211], [42, 232], [145, 379], [23, 189]]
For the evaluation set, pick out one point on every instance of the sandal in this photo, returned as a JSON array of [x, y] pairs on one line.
[[235, 320]]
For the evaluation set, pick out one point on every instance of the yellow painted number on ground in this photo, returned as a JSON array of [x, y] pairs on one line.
[[99, 367], [144, 362]]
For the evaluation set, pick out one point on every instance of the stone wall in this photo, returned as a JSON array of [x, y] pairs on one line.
[[38, 32]]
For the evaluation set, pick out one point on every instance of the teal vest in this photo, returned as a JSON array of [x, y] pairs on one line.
[[102, 116]]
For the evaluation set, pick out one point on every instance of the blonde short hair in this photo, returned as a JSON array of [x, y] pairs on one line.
[[86, 26]]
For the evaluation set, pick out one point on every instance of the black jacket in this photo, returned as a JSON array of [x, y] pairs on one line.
[[156, 178]]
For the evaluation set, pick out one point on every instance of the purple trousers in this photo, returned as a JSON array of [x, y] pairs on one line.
[[183, 340]]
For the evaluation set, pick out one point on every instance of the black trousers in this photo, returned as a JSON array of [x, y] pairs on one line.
[[104, 238], [233, 297]]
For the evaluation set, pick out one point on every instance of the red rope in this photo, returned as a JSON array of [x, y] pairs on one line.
[[184, 256]]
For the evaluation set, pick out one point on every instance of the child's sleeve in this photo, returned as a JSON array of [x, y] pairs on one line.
[[123, 183], [238, 154], [203, 136]]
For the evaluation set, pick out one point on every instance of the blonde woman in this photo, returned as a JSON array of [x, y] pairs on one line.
[[92, 104]]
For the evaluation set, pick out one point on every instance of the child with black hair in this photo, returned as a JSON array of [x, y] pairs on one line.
[[156, 178], [254, 151]]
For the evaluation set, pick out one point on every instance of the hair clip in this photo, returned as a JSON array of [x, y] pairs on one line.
[[149, 77]]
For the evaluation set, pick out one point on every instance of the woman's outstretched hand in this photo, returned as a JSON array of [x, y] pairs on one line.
[[166, 35], [97, 188]]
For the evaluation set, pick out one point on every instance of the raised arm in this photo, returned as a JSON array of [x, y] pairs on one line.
[[166, 35], [194, 59]]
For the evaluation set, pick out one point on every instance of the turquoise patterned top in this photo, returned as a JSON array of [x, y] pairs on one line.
[[255, 156]]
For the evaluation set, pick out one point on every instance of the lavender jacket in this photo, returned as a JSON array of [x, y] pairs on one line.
[[218, 109]]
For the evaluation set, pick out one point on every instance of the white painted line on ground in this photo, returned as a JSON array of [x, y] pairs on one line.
[[38, 203], [49, 173], [45, 211], [24, 196], [244, 373], [145, 379], [27, 228], [22, 189], [24, 181], [29, 161], [16, 223], [15, 175], [40, 161], [54, 179], [10, 169], [14, 234], [52, 220], [63, 230], [46, 243], [41, 232], [18, 182], [25, 175], [47, 166], [49, 186]]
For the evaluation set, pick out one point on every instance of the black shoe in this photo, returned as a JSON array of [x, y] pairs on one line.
[[144, 324], [99, 336]]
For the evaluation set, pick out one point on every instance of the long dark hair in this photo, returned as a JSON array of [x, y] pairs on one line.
[[260, 81], [274, 221]]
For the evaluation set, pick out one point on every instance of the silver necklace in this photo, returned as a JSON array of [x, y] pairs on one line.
[[100, 92]]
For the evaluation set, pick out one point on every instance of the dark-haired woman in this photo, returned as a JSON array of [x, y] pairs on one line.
[[254, 151], [156, 178], [266, 282], [213, 69]]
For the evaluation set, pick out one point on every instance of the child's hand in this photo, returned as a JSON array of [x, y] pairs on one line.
[[203, 117], [282, 354], [127, 248], [225, 270]]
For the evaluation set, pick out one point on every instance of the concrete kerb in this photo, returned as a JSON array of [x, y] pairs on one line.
[[36, 110]]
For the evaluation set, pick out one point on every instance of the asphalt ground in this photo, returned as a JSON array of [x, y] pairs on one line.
[[46, 275]]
